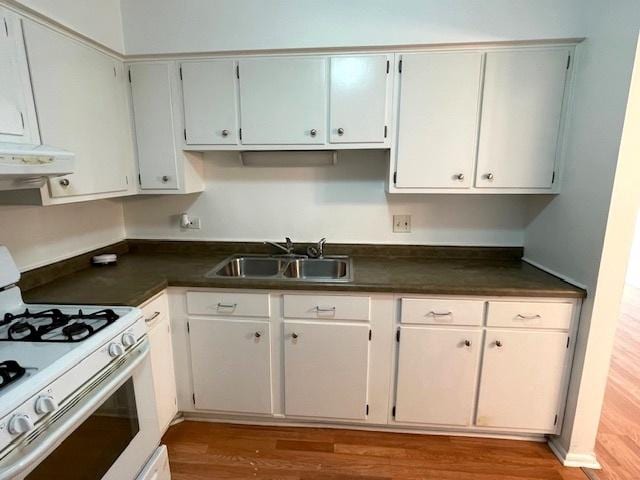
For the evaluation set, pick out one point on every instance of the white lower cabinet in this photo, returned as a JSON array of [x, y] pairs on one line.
[[326, 370], [231, 365], [521, 383], [437, 375]]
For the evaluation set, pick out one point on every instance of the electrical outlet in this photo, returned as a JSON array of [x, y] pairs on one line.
[[194, 223], [402, 224]]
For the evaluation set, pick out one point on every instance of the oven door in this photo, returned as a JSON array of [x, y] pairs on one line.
[[106, 432]]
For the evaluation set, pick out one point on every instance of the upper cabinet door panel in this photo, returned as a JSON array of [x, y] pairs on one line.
[[438, 119], [210, 102], [153, 112], [81, 103], [521, 112], [11, 95], [358, 99], [283, 100]]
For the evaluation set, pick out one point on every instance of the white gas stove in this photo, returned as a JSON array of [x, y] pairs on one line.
[[69, 375]]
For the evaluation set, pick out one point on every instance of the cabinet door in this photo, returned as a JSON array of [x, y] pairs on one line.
[[437, 375], [326, 370], [164, 378], [521, 110], [438, 119], [521, 380], [12, 101], [155, 135], [283, 100], [231, 364], [358, 99], [80, 94], [210, 102]]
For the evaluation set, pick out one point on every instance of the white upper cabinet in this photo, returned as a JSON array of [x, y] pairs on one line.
[[521, 113], [359, 90], [80, 94], [17, 114], [283, 100], [437, 123], [210, 102]]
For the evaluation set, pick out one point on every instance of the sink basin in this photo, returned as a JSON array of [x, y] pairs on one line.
[[327, 269], [318, 268], [250, 267]]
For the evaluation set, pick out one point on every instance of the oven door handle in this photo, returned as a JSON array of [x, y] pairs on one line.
[[27, 456]]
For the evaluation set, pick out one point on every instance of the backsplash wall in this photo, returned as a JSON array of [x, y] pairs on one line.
[[345, 203]]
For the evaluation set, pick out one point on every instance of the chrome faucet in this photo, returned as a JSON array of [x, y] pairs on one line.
[[318, 250], [287, 248]]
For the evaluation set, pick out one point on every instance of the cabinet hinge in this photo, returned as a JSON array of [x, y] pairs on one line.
[[568, 340], [400, 66], [395, 177], [188, 328], [194, 398], [387, 67], [129, 75], [240, 134], [367, 410], [398, 335], [370, 334], [555, 420], [180, 73], [139, 179], [185, 134], [393, 412], [553, 177], [126, 179], [22, 119], [238, 72], [385, 131], [6, 27], [568, 61]]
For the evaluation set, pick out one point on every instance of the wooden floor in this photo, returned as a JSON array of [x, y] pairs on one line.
[[618, 441], [199, 451]]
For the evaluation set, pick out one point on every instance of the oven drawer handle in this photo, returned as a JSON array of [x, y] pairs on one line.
[[30, 456]]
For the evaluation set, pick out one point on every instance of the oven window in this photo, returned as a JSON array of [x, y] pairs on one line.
[[95, 445]]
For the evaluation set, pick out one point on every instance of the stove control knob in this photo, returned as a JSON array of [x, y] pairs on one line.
[[128, 340], [45, 404], [20, 423], [115, 350]]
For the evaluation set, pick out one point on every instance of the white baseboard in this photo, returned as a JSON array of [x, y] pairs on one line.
[[568, 459]]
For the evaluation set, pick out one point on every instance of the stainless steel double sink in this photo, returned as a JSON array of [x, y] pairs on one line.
[[325, 269]]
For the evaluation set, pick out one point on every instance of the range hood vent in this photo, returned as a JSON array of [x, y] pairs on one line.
[[28, 166]]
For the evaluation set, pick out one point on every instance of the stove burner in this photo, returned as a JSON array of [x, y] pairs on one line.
[[77, 331], [54, 326], [10, 371]]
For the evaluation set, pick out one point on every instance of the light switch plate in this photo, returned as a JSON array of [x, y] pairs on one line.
[[402, 224]]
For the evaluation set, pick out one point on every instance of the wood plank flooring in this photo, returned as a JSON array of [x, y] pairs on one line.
[[618, 441], [199, 451]]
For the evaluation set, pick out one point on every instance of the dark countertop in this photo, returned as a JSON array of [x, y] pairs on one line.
[[140, 275]]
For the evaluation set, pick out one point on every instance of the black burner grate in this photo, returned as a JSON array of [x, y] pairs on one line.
[[10, 371]]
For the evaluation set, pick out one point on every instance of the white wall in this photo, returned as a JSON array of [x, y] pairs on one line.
[[345, 203], [37, 236], [163, 26], [100, 20], [567, 236]]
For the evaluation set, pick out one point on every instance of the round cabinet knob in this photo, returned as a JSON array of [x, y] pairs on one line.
[[498, 343], [460, 176], [165, 178], [313, 132], [225, 133], [64, 182], [115, 350], [467, 343], [257, 334], [294, 335], [20, 423], [128, 340], [341, 131], [45, 404], [489, 176]]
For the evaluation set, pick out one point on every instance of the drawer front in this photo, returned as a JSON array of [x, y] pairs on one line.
[[228, 304], [530, 315], [155, 310], [432, 311], [331, 307]]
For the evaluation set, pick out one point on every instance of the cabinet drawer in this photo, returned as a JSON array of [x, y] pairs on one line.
[[228, 304], [155, 310], [431, 311], [530, 315], [334, 307]]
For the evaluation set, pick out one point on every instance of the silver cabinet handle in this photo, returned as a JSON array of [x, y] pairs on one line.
[[257, 334], [498, 343], [165, 178], [152, 317], [325, 309], [313, 132], [489, 176], [460, 176], [341, 131], [467, 343], [294, 335], [226, 305], [528, 317], [225, 133], [438, 314], [64, 182]]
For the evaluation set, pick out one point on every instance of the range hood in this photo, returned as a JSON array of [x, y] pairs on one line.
[[28, 166]]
